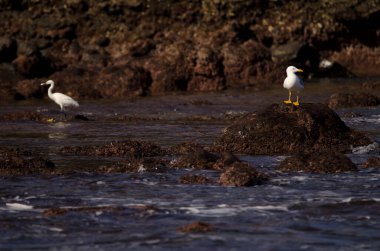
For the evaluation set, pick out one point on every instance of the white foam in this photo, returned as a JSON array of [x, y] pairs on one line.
[[18, 206], [365, 149]]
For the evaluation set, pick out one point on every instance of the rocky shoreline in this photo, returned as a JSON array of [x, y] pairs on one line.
[[120, 49], [312, 135]]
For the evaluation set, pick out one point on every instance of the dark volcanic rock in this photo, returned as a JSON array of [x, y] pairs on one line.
[[130, 148], [19, 162], [197, 227], [282, 129], [318, 162], [341, 100], [372, 162], [195, 179], [8, 49], [242, 174]]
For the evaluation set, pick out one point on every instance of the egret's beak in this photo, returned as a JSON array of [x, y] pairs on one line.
[[299, 70], [43, 83]]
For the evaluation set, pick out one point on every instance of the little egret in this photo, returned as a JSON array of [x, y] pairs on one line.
[[61, 99], [293, 83]]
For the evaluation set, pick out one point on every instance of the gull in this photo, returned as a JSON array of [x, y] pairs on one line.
[[293, 83], [62, 100]]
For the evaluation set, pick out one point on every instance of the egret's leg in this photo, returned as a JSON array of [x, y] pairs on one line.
[[288, 101], [296, 103]]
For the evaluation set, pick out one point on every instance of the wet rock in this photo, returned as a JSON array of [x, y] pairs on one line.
[[81, 117], [185, 148], [372, 162], [197, 227], [62, 211], [8, 49], [199, 159], [19, 162], [130, 148], [342, 100], [136, 165], [282, 129], [227, 159], [195, 179], [24, 116], [242, 174], [318, 162]]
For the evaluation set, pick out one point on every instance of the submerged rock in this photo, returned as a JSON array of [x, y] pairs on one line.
[[282, 129], [136, 165], [197, 227], [341, 100], [131, 148], [242, 174], [195, 179], [19, 162], [318, 162], [372, 162], [21, 116]]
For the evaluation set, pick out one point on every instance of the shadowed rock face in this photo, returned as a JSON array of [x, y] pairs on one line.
[[281, 129], [318, 162], [169, 46]]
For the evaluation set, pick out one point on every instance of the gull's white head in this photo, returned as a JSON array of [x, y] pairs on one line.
[[292, 69], [49, 82]]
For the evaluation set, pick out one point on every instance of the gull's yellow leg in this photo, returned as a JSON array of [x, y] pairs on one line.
[[288, 101], [296, 103]]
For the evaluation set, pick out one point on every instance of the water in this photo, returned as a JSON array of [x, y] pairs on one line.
[[291, 212]]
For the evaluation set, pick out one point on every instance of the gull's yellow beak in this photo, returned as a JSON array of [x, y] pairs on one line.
[[299, 70]]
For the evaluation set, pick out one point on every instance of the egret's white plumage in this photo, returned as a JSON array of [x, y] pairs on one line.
[[293, 83], [61, 99]]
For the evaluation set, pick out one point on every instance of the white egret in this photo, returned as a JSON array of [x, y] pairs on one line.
[[62, 100], [293, 83]]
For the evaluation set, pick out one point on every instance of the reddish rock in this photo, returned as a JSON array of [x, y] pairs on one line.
[[34, 65], [197, 227], [282, 129], [62, 211], [227, 159], [372, 162], [318, 162], [208, 72], [341, 100], [242, 174], [29, 89], [245, 64]]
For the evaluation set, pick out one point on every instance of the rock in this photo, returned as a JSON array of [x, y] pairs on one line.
[[34, 65], [29, 88], [199, 159], [62, 211], [372, 162], [318, 162], [282, 129], [8, 49], [19, 162], [227, 159], [242, 174], [342, 100], [197, 227], [244, 64], [195, 179], [130, 148], [136, 165], [24, 116], [208, 72]]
